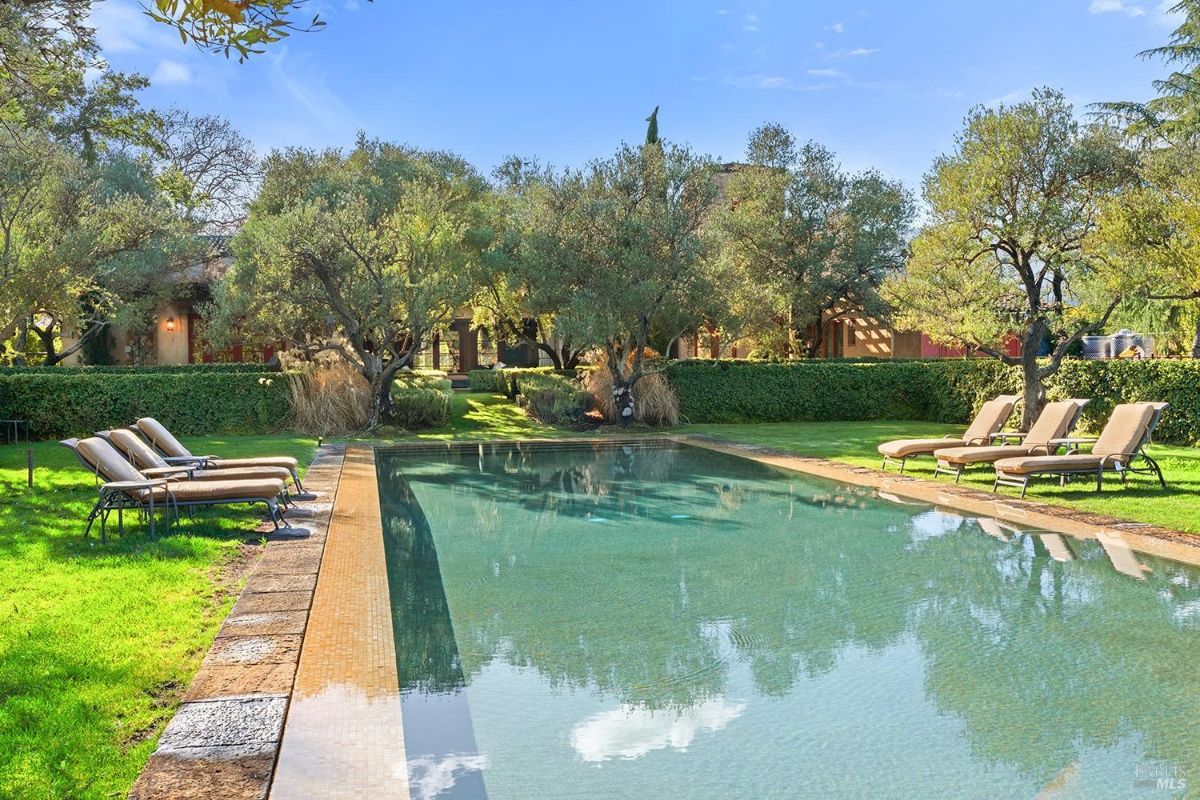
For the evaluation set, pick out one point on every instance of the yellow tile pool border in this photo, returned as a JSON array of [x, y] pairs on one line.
[[343, 737]]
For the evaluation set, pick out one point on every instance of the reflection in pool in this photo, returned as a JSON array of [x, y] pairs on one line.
[[733, 630]]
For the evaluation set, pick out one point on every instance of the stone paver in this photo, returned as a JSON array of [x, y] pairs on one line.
[[264, 622], [233, 721], [270, 649], [217, 681]]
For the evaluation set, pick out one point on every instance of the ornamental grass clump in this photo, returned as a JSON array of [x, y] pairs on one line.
[[329, 399], [654, 401]]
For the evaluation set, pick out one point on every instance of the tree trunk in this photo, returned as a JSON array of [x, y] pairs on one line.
[[1196, 339], [20, 342], [622, 391], [1034, 392], [555, 359]]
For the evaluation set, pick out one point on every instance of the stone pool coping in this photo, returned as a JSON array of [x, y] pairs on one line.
[[224, 738], [310, 639]]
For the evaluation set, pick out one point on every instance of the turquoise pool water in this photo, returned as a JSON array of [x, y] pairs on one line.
[[671, 622]]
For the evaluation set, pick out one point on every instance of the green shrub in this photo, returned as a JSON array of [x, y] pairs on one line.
[[421, 406], [507, 381], [938, 390], [188, 403], [553, 399], [426, 379], [490, 381]]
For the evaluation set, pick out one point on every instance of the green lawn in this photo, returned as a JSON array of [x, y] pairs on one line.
[[97, 643], [854, 443]]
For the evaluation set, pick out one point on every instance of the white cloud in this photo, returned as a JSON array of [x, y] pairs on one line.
[[837, 27], [1116, 7], [826, 73], [775, 82], [862, 52], [171, 73], [631, 732], [311, 92], [1015, 96], [751, 23], [722, 12], [123, 28]]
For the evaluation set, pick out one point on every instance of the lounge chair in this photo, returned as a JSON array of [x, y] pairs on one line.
[[175, 453], [137, 490], [991, 417], [1119, 449], [147, 461], [1056, 421]]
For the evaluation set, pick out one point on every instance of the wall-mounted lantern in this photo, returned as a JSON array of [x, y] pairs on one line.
[[171, 322]]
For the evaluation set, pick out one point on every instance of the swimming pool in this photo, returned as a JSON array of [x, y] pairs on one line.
[[666, 621]]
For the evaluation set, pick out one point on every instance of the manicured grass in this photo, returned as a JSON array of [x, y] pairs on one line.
[[1142, 500], [98, 642]]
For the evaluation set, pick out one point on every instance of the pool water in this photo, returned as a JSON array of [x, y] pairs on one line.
[[666, 621]]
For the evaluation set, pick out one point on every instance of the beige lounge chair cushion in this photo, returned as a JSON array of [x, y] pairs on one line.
[[980, 455], [906, 448], [1125, 429], [1055, 422], [135, 448], [278, 462], [991, 418], [161, 438], [239, 474], [266, 490], [105, 459], [1028, 465]]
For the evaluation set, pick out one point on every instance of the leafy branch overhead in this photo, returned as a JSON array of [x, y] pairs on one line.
[[241, 27]]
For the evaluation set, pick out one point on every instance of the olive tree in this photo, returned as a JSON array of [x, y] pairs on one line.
[[1001, 256], [363, 253], [814, 239], [626, 238]]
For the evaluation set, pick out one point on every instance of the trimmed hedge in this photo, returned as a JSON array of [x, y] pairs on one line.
[[60, 404], [939, 390], [421, 401], [114, 369], [507, 381]]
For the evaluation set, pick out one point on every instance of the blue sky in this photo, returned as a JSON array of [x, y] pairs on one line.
[[884, 84]]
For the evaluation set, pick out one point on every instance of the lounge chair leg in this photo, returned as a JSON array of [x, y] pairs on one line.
[[1157, 470], [1099, 480], [296, 479], [903, 461], [958, 474], [1024, 487]]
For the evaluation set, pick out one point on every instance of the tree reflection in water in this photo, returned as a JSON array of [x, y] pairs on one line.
[[645, 574]]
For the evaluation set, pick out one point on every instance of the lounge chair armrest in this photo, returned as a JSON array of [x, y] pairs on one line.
[[198, 461], [1004, 436], [1073, 441], [1118, 459], [171, 472], [978, 440]]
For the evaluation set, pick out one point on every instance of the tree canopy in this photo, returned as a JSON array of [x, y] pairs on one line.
[[819, 240], [1002, 256], [362, 253]]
